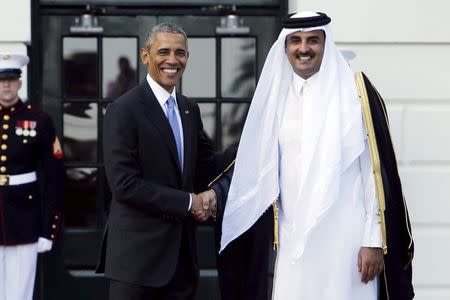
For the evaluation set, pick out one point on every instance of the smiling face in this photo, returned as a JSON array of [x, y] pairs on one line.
[[304, 51], [9, 91], [166, 58]]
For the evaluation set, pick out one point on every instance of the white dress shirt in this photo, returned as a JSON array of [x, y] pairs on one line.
[[162, 95]]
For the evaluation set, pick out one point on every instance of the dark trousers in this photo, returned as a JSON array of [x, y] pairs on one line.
[[182, 286]]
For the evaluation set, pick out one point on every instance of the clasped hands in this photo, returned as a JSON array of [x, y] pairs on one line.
[[204, 205]]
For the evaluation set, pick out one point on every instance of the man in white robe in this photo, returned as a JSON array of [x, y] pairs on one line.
[[304, 144]]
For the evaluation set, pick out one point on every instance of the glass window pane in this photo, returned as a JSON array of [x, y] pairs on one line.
[[80, 132], [80, 193], [238, 67], [80, 67], [199, 78], [119, 65], [233, 119], [208, 115]]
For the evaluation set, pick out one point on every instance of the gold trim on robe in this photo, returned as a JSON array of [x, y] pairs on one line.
[[374, 154]]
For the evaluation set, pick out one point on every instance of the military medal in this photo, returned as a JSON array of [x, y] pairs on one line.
[[19, 128], [33, 127]]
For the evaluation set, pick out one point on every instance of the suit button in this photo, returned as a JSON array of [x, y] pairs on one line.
[[3, 169], [4, 147], [3, 158], [4, 137], [5, 126], [6, 117]]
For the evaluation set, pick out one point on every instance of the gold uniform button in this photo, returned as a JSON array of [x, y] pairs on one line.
[[52, 236], [6, 117], [29, 106], [25, 141], [3, 158], [4, 137], [5, 126], [56, 217], [30, 197], [4, 147], [3, 169], [53, 226]]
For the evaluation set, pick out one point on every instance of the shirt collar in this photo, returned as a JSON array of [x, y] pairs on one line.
[[160, 93], [298, 82]]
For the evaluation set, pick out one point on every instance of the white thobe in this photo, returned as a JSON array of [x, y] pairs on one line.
[[328, 267]]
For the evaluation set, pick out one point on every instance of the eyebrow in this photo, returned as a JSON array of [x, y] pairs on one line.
[[167, 49], [295, 37]]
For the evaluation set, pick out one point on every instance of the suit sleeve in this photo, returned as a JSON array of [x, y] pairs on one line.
[[123, 170], [210, 163], [53, 171], [221, 188]]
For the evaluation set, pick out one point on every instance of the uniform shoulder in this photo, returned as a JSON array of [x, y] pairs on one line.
[[35, 111]]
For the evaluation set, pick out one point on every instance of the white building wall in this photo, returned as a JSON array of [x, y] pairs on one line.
[[404, 48], [15, 31]]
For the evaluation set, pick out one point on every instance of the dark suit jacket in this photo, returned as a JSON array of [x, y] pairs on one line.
[[150, 193]]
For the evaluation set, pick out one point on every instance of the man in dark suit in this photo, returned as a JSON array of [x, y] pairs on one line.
[[154, 149]]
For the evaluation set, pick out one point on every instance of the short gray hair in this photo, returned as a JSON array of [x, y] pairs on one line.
[[163, 28]]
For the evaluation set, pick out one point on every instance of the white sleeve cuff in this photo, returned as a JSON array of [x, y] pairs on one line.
[[190, 202], [372, 234]]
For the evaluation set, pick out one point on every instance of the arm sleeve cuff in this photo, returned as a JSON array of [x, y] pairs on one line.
[[190, 202], [372, 235]]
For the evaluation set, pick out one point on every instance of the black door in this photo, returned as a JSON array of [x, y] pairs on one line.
[[84, 71]]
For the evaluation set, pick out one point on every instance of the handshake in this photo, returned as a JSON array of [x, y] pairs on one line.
[[204, 205]]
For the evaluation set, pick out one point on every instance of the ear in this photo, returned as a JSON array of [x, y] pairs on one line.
[[145, 56]]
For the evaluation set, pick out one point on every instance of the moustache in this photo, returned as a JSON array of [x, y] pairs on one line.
[[299, 54]]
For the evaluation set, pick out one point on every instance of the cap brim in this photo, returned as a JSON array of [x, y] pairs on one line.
[[9, 75]]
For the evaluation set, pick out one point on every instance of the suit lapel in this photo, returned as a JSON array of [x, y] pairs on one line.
[[155, 114]]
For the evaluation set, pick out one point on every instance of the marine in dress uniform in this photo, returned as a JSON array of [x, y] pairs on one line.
[[31, 173]]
